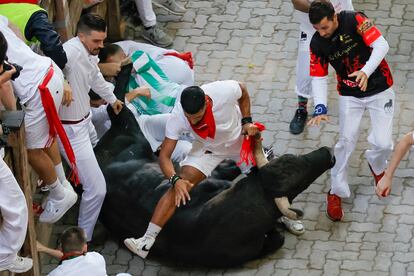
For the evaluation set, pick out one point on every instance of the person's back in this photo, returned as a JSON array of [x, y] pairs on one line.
[[92, 263], [34, 65], [76, 261]]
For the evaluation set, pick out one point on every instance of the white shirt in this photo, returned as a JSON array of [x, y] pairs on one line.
[[83, 74], [90, 264], [129, 47], [339, 5], [226, 112], [34, 65]]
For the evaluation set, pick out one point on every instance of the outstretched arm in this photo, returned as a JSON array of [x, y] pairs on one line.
[[384, 185], [244, 103]]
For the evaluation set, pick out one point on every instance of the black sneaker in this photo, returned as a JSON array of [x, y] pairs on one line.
[[298, 123]]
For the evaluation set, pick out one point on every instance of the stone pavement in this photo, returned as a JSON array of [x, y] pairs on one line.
[[256, 42]]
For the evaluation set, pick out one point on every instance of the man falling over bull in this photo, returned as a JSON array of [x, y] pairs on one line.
[[218, 116]]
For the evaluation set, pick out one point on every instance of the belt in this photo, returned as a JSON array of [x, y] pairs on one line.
[[74, 122]]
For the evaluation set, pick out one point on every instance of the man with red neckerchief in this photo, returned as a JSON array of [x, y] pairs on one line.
[[217, 114], [355, 48]]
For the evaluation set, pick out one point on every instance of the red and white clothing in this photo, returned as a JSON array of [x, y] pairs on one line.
[[35, 68], [83, 74], [176, 69], [303, 80], [92, 263], [356, 45], [207, 153], [13, 210]]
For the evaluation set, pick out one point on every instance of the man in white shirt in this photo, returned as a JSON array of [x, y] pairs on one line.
[[40, 90], [13, 207], [177, 66], [76, 260], [303, 87], [217, 114], [83, 74]]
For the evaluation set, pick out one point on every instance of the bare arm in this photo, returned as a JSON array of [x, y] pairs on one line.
[[301, 5], [244, 103], [7, 96], [384, 186], [166, 164], [142, 91], [52, 252]]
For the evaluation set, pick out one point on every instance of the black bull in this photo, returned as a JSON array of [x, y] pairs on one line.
[[224, 224]]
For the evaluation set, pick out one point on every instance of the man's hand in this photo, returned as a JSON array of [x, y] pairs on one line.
[[67, 94], [361, 78], [6, 75], [250, 129], [117, 106], [110, 69], [317, 120], [181, 188], [383, 188], [143, 91]]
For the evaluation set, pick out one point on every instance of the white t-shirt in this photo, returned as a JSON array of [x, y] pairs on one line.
[[226, 112], [92, 263], [130, 46], [339, 5], [34, 65]]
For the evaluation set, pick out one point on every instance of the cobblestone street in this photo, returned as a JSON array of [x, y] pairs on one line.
[[256, 42]]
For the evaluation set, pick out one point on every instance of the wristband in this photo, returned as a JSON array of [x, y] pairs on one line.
[[173, 179], [246, 120], [320, 109]]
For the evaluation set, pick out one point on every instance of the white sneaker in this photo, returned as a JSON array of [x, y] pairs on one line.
[[55, 209], [293, 226], [170, 5], [140, 246], [157, 36], [19, 265]]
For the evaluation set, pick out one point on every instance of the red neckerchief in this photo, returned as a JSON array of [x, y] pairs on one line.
[[246, 151], [206, 127], [71, 255], [187, 57]]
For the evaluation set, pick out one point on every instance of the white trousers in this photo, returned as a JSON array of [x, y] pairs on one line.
[[153, 128], [90, 174], [351, 109], [13, 208], [206, 161], [303, 79], [146, 12], [35, 121]]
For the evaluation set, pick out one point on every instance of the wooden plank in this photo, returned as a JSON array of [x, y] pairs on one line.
[[62, 20], [113, 19], [75, 10], [21, 172]]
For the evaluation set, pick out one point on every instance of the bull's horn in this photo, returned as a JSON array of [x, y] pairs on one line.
[[283, 205], [259, 155]]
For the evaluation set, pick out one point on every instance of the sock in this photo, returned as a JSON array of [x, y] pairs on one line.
[[302, 102], [152, 230], [56, 190], [60, 172]]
